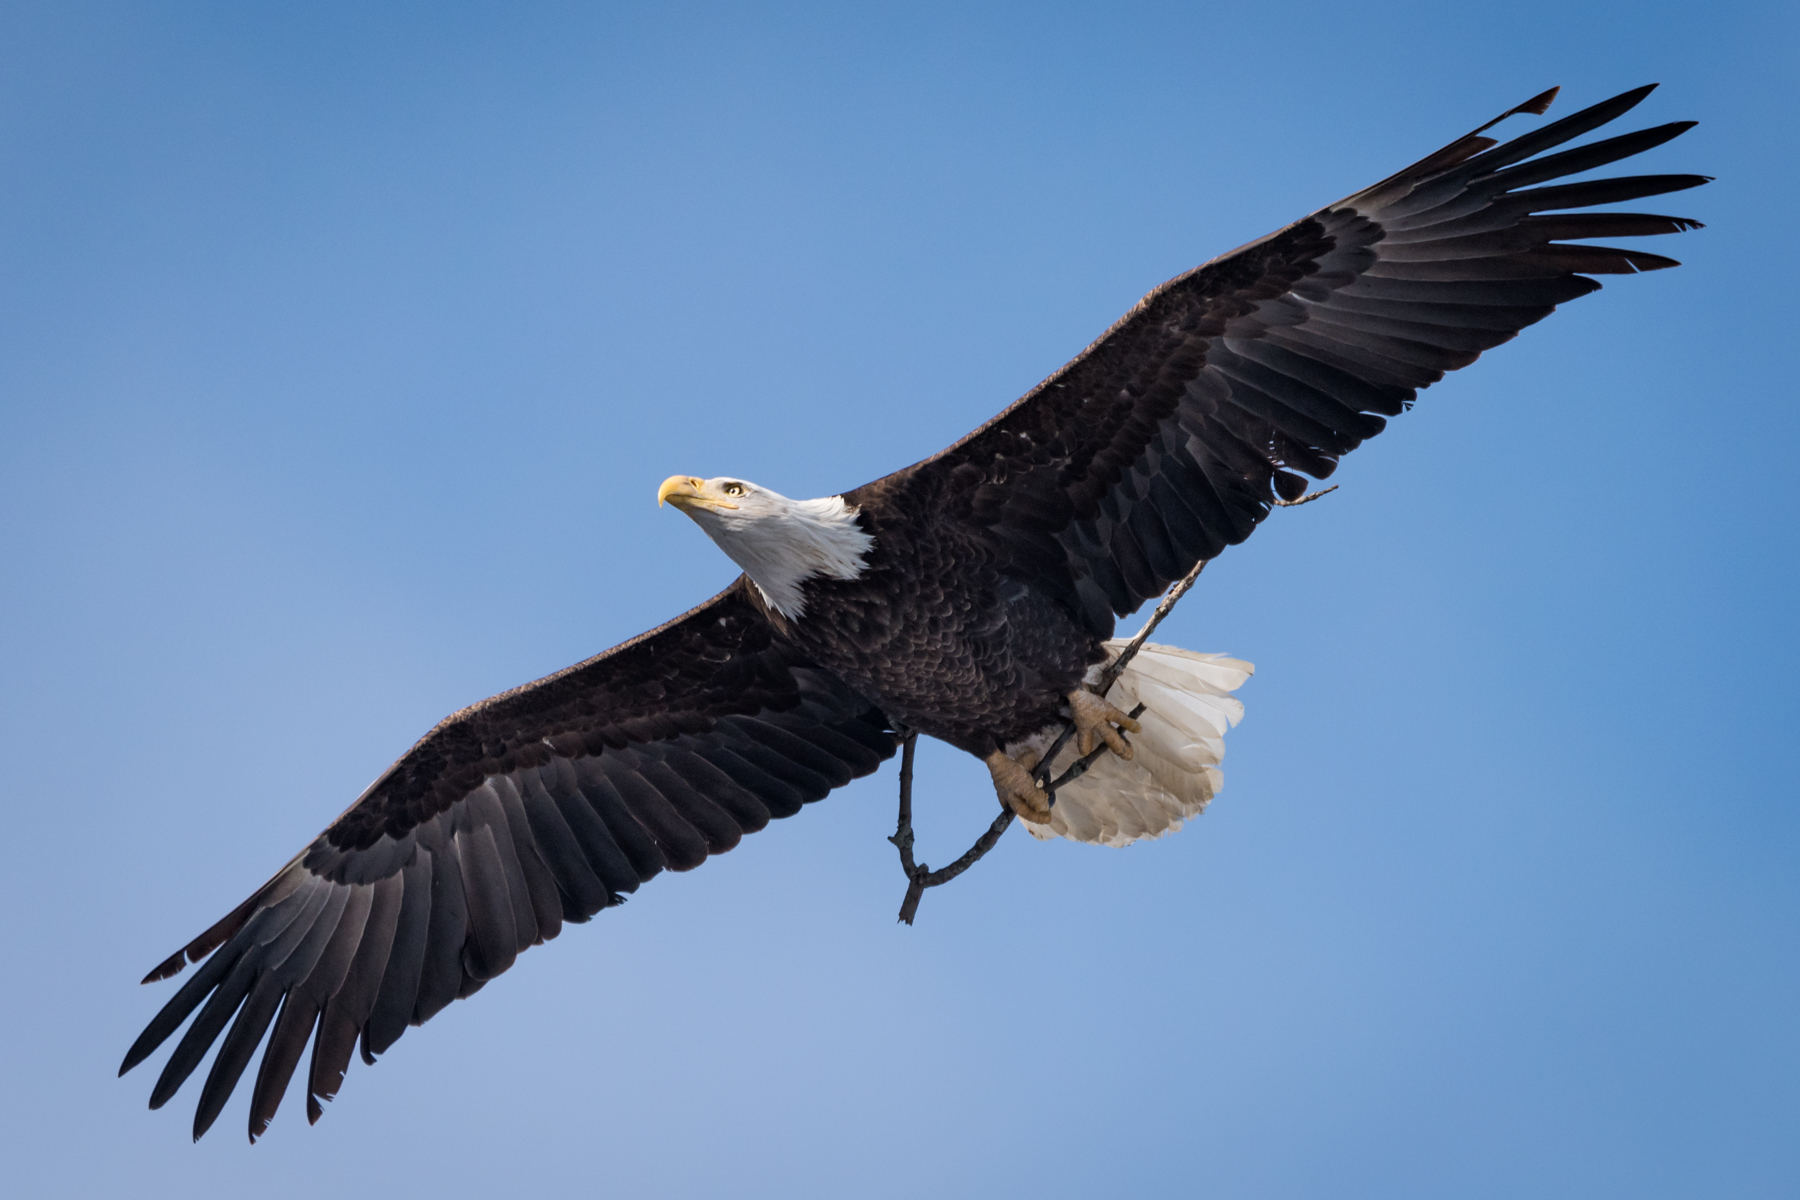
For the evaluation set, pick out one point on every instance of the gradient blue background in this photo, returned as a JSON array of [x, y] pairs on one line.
[[342, 348]]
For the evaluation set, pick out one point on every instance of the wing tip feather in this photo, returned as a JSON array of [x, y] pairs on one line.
[[168, 968], [1539, 104]]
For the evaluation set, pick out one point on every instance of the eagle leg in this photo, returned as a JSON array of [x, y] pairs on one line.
[[1017, 789], [1094, 723]]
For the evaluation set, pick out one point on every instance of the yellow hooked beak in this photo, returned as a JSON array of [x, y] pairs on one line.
[[687, 493]]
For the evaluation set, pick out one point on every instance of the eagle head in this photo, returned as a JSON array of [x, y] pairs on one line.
[[780, 543]]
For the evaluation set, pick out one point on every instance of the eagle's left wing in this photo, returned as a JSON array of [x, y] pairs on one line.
[[538, 806], [1170, 437]]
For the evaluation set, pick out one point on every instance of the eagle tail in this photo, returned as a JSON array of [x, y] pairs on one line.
[[1174, 770]]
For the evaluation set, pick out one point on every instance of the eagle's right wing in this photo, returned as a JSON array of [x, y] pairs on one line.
[[540, 805]]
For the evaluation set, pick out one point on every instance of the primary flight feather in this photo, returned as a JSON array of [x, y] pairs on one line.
[[970, 597]]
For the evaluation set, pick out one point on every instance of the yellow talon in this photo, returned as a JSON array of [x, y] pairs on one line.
[[1017, 789], [1094, 723]]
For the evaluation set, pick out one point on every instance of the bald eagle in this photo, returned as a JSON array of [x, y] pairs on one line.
[[970, 597]]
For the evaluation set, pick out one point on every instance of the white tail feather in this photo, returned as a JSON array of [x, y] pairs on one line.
[[1174, 769]]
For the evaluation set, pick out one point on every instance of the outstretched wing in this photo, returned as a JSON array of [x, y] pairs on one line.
[[541, 805], [1170, 437]]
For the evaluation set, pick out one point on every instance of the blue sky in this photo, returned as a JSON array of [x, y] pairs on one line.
[[342, 348]]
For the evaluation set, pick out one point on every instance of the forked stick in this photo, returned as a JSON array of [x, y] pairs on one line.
[[919, 876]]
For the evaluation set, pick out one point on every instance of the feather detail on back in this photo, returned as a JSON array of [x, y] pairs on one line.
[[1174, 771]]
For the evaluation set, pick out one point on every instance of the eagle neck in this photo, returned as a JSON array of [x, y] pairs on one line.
[[793, 542]]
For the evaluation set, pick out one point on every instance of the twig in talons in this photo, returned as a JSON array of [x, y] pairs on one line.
[[918, 875], [1080, 766], [1041, 772], [1164, 607], [924, 877], [1306, 499], [915, 892], [903, 834]]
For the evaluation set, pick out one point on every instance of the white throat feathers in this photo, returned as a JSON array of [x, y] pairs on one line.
[[780, 543]]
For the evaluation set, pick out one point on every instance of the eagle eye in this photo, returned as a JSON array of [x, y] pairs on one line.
[[733, 489]]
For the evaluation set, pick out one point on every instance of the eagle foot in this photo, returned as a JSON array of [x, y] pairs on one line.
[[1017, 789], [1094, 723]]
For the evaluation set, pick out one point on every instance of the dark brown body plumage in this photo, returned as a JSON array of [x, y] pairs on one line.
[[939, 638], [998, 568]]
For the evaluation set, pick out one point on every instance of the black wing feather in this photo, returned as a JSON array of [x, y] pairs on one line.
[[580, 889], [397, 993], [633, 839]]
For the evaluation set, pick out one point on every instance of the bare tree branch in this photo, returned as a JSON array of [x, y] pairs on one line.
[[918, 875]]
